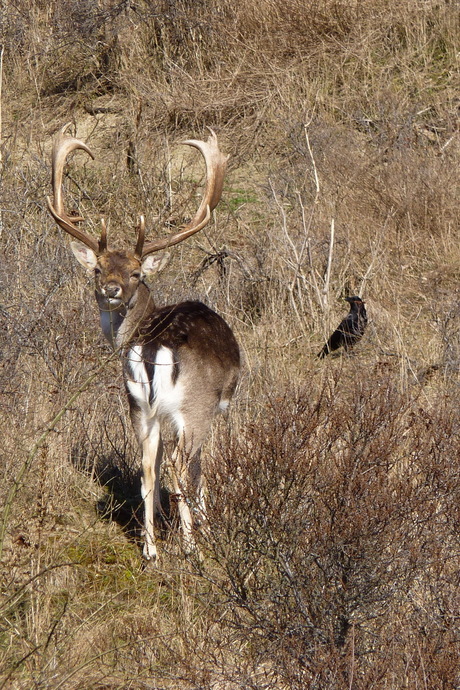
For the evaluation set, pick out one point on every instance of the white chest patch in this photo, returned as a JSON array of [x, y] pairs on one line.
[[168, 396], [137, 378], [165, 394]]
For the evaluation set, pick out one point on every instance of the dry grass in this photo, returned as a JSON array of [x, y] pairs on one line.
[[331, 554]]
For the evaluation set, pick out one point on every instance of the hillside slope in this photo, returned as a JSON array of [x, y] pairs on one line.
[[331, 550]]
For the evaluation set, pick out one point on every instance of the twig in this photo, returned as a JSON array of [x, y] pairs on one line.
[[307, 225], [352, 663], [375, 252], [307, 246], [327, 275], [1, 80], [366, 276], [1, 139], [312, 158], [297, 258]]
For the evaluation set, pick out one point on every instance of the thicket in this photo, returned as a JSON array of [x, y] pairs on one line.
[[330, 554]]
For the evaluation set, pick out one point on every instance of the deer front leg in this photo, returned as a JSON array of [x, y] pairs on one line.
[[152, 451]]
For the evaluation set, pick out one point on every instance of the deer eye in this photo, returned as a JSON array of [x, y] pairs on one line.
[[97, 271], [136, 275]]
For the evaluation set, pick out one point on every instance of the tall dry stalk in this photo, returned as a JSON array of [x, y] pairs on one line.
[[1, 83]]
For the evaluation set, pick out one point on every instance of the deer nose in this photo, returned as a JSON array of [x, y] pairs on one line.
[[112, 291]]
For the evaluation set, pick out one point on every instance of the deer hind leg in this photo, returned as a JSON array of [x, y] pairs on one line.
[[192, 428], [197, 483], [186, 474], [179, 481], [152, 452]]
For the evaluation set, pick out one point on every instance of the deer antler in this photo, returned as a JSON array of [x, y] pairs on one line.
[[63, 145], [216, 163]]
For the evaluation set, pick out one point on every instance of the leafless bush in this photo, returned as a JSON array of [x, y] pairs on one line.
[[326, 524]]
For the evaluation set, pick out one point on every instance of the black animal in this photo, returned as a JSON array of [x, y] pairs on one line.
[[350, 330]]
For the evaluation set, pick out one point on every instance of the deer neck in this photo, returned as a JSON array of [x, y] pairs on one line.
[[122, 324]]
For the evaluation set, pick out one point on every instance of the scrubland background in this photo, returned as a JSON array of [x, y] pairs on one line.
[[331, 555]]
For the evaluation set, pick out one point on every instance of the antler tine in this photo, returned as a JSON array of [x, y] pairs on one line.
[[63, 145], [102, 245], [216, 163], [140, 238]]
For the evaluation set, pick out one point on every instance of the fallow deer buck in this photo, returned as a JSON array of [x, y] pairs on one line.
[[180, 362]]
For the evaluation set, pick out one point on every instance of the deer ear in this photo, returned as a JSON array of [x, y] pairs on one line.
[[154, 263], [84, 255]]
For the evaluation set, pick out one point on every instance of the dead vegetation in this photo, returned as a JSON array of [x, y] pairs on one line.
[[331, 552]]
